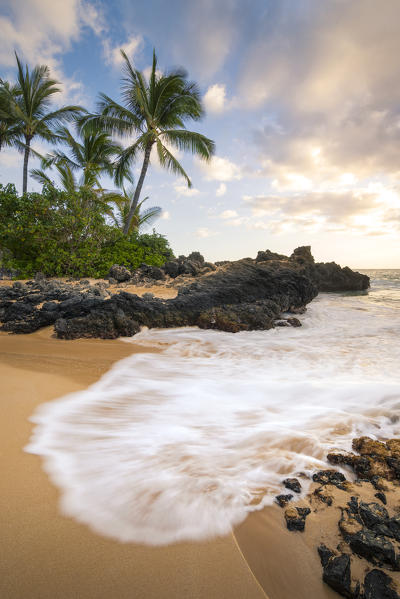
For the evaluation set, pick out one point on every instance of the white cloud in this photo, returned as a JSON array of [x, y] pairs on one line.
[[373, 210], [219, 169], [221, 190], [41, 31], [205, 232], [182, 189], [165, 215], [215, 98], [228, 214], [112, 54]]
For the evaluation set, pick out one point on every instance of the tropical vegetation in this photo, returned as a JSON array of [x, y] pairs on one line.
[[63, 233], [75, 226]]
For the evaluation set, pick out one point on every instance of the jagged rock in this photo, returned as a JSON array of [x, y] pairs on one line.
[[238, 296], [268, 255], [171, 268], [394, 527], [381, 496], [296, 518], [368, 446], [283, 500], [293, 484], [196, 257], [150, 272], [374, 547], [372, 514], [378, 585], [119, 273], [377, 460], [303, 255], [330, 477], [331, 277], [336, 571], [294, 322], [97, 324]]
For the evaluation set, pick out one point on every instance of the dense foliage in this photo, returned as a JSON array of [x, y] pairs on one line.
[[66, 233], [83, 228]]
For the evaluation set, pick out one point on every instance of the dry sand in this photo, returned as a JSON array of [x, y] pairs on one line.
[[44, 555]]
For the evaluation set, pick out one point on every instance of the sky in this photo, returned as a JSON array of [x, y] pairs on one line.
[[302, 99]]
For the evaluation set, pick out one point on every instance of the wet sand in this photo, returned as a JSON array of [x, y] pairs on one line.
[[44, 555]]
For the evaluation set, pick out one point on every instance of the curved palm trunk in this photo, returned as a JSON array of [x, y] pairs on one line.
[[138, 189], [26, 159]]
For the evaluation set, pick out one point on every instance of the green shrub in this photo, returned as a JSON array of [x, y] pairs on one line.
[[61, 233]]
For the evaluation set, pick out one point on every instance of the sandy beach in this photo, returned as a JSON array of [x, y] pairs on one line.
[[45, 555]]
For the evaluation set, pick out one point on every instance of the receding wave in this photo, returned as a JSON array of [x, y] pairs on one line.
[[184, 443]]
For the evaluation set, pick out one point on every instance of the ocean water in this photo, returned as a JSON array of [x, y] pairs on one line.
[[183, 444]]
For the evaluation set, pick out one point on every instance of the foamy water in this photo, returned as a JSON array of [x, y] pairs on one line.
[[182, 445]]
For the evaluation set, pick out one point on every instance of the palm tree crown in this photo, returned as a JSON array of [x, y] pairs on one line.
[[142, 216], [10, 129], [30, 107], [94, 154], [155, 111]]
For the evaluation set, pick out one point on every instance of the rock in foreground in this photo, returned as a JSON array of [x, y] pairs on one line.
[[365, 563]]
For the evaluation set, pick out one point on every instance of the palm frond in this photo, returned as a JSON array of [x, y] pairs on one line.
[[190, 141], [168, 161]]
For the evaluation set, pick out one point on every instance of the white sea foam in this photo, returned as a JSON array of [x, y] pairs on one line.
[[183, 444]]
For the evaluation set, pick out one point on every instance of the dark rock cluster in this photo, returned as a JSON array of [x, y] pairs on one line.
[[296, 517], [369, 532], [236, 296], [327, 276], [373, 461]]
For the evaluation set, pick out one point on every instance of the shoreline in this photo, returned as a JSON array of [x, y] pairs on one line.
[[46, 555]]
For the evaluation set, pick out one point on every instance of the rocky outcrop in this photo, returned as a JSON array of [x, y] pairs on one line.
[[326, 276], [331, 277], [237, 296], [242, 295], [374, 460], [366, 562]]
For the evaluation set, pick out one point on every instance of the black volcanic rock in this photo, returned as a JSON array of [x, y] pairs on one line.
[[331, 277], [336, 571], [296, 518], [293, 484], [378, 585], [119, 273], [242, 295]]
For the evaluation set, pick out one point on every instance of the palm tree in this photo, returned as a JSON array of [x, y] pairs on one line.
[[155, 110], [94, 154], [141, 218], [102, 199], [30, 107], [66, 176], [10, 130]]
